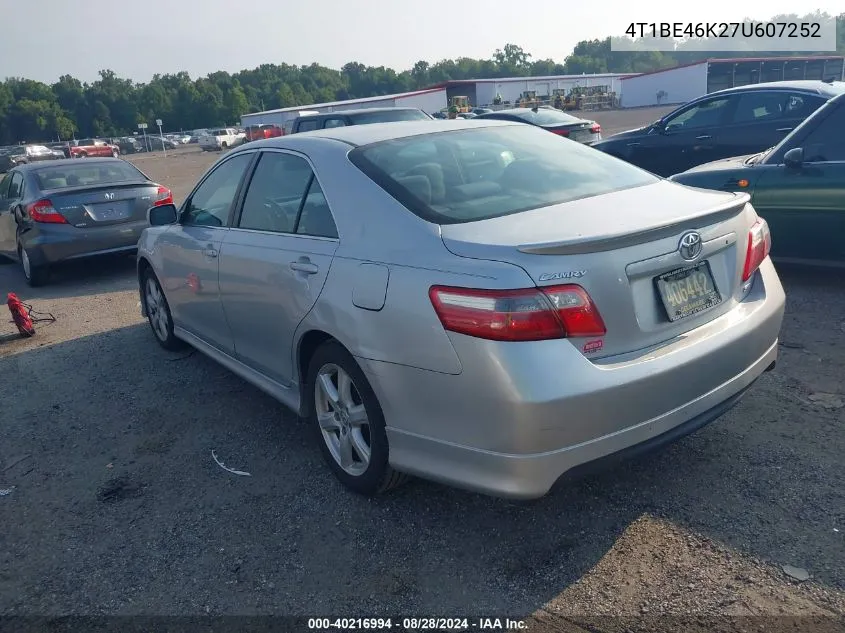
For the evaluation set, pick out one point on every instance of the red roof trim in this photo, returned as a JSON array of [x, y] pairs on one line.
[[739, 60]]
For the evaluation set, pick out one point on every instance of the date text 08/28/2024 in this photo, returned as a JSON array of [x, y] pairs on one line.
[[680, 30], [416, 624]]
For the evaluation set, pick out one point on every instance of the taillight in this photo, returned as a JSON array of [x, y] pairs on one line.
[[595, 128], [163, 196], [759, 245], [530, 314], [43, 211]]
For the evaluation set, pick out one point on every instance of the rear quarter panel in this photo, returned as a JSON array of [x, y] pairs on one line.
[[375, 229]]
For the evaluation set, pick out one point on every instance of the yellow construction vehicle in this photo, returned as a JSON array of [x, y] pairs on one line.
[[461, 103], [528, 99]]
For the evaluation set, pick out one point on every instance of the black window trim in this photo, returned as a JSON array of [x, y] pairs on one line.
[[235, 201], [236, 216]]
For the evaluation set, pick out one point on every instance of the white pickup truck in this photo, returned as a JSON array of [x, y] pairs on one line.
[[220, 138]]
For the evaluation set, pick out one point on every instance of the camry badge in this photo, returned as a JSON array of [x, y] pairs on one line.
[[567, 274]]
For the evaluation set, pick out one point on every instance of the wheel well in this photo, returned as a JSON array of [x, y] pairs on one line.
[[307, 346]]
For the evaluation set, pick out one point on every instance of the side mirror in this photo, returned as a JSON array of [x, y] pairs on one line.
[[162, 215], [794, 158]]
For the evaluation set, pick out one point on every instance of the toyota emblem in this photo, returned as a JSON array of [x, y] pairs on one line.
[[690, 246]]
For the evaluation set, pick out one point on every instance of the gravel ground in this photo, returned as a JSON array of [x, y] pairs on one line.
[[111, 502]]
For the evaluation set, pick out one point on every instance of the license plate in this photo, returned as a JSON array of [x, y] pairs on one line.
[[688, 291], [581, 135], [103, 213]]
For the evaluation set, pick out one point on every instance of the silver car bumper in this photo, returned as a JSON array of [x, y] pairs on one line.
[[520, 416], [52, 244]]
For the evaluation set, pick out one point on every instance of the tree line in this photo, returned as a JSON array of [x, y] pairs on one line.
[[110, 106]]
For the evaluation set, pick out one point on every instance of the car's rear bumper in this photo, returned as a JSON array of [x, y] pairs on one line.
[[58, 243], [511, 425]]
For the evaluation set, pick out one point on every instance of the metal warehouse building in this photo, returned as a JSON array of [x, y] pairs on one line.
[[481, 92], [690, 81], [429, 100]]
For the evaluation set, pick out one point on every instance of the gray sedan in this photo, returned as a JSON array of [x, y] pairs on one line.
[[55, 211], [479, 303]]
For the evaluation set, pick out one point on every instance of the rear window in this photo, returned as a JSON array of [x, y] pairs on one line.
[[218, 133], [87, 175], [546, 117], [388, 116], [477, 174]]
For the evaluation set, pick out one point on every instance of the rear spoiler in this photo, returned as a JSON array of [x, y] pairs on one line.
[[595, 245]]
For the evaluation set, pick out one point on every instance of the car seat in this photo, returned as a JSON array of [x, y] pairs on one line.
[[434, 173], [418, 186]]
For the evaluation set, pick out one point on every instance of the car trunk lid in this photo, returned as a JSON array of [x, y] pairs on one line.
[[617, 247], [105, 205]]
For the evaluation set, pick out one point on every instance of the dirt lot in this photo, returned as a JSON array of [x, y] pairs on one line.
[[112, 503]]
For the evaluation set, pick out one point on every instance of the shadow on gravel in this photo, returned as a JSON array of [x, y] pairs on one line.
[[113, 273], [120, 507]]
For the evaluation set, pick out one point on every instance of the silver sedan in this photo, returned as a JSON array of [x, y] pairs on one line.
[[483, 304]]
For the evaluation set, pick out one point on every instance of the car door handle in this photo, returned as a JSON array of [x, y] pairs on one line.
[[703, 137], [634, 144], [305, 267], [784, 129], [209, 252]]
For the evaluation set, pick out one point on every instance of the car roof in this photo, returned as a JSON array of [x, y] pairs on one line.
[[30, 167], [804, 85], [354, 112], [377, 132]]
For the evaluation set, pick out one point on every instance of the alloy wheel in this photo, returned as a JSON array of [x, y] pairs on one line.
[[156, 309], [343, 419]]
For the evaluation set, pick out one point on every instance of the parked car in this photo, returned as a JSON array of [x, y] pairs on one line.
[[262, 131], [364, 116], [56, 211], [93, 147], [555, 121], [478, 111], [221, 138], [468, 301], [23, 154], [798, 186], [158, 144], [129, 145], [726, 123]]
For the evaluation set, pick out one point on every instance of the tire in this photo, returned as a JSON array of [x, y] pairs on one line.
[[341, 438], [35, 275], [224, 145], [115, 153], [158, 313], [83, 155]]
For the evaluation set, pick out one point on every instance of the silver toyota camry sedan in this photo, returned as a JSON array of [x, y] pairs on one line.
[[483, 304]]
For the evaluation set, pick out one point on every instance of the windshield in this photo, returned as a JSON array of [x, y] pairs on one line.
[[389, 115], [94, 174], [477, 174]]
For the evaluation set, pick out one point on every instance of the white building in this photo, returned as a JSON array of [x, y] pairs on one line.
[[481, 92], [684, 83], [430, 100]]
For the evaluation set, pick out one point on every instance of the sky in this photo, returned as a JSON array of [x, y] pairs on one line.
[[140, 39]]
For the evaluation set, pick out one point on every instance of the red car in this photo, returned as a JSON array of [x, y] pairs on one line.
[[92, 147], [260, 132]]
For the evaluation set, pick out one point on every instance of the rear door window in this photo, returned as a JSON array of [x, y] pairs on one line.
[[307, 126], [334, 123]]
